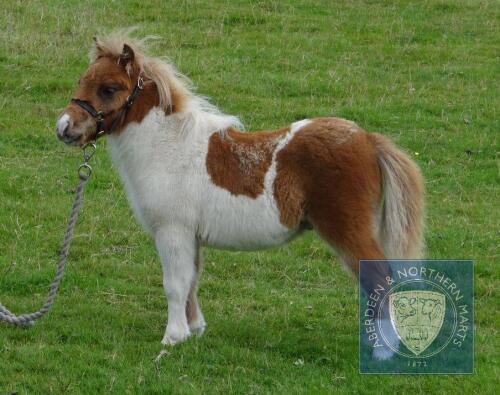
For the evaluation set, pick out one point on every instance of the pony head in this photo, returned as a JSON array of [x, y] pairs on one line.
[[117, 65]]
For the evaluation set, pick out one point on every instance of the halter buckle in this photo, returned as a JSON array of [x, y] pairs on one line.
[[140, 82]]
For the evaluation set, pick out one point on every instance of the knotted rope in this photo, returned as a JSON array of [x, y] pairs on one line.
[[84, 172]]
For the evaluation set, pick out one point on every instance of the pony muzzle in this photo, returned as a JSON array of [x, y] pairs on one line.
[[73, 130]]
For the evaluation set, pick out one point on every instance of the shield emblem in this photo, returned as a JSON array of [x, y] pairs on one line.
[[417, 317]]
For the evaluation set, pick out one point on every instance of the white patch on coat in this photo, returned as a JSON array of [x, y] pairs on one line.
[[162, 162], [245, 223], [271, 173], [167, 183], [299, 125]]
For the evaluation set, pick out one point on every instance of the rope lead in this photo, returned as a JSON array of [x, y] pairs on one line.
[[84, 172]]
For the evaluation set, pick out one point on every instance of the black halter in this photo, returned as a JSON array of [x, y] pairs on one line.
[[99, 115]]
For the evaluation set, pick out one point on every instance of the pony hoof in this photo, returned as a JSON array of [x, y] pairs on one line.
[[198, 330], [197, 327], [171, 338], [168, 341]]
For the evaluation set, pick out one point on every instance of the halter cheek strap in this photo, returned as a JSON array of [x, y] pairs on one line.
[[99, 115]]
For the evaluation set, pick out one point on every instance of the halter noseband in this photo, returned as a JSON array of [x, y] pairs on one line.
[[100, 115]]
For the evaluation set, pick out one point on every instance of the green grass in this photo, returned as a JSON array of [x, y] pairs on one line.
[[281, 321]]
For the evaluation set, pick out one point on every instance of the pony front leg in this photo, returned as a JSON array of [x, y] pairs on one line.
[[178, 250]]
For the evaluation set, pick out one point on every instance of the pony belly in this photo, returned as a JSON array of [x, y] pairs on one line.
[[244, 224], [246, 239]]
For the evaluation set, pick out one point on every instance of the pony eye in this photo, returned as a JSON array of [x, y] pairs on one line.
[[107, 91]]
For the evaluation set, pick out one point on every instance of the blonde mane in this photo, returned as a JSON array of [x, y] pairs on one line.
[[199, 113]]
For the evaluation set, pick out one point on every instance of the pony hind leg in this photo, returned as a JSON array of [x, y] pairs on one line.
[[195, 318], [353, 243], [352, 239]]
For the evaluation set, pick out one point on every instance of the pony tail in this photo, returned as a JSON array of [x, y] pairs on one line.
[[401, 219]]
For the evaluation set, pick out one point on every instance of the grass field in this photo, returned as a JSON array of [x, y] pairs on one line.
[[282, 321]]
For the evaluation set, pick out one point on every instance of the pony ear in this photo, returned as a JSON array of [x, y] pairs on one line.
[[96, 44], [127, 56]]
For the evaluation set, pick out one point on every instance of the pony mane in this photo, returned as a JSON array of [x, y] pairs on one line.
[[198, 111]]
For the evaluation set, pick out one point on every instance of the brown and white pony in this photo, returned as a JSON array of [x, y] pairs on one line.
[[193, 179]]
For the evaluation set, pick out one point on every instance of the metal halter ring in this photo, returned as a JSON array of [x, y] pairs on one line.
[[85, 171], [140, 82]]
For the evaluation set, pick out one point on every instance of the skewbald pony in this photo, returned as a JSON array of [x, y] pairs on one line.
[[194, 180]]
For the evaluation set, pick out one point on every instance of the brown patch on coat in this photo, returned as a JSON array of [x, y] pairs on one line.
[[332, 174], [145, 101], [321, 138], [238, 161], [328, 175]]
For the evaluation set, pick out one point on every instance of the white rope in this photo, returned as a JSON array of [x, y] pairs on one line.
[[84, 173]]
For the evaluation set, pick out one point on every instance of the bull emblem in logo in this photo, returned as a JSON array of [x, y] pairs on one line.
[[417, 317]]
